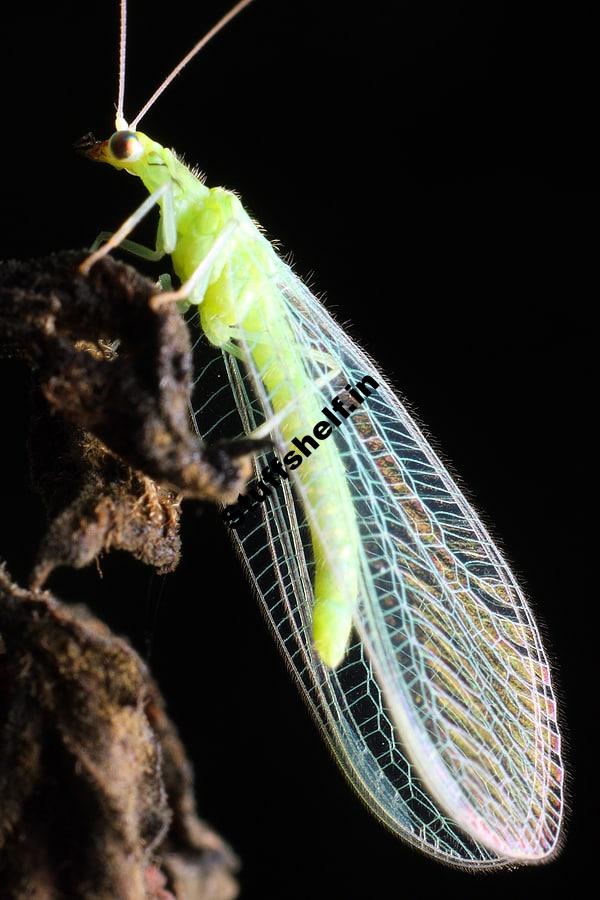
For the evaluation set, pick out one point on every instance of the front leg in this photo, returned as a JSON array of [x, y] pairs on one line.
[[140, 250], [166, 239]]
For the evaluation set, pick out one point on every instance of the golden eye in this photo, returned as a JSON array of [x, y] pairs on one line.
[[125, 146]]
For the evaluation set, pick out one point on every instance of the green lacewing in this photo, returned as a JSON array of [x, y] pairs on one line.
[[398, 616]]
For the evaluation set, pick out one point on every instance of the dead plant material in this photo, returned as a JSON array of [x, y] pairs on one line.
[[96, 502], [113, 449], [96, 792]]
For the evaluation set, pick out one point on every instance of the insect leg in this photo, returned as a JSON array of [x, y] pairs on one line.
[[269, 424], [255, 338], [233, 350], [202, 270], [132, 247], [165, 282], [167, 235]]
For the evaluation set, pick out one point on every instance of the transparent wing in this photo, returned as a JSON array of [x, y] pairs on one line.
[[442, 715]]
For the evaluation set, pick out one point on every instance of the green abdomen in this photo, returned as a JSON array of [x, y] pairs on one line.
[[243, 304]]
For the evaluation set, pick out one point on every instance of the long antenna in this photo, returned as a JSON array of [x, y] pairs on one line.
[[195, 49], [121, 124]]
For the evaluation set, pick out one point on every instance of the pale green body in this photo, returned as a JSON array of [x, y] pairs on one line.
[[241, 295]]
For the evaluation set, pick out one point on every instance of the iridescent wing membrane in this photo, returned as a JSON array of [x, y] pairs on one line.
[[442, 714]]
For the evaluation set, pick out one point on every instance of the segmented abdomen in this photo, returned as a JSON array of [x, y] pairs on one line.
[[243, 304]]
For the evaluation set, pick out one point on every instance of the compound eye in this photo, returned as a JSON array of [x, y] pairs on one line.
[[125, 146]]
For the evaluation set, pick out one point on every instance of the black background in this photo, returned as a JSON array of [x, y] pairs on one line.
[[435, 165]]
